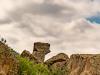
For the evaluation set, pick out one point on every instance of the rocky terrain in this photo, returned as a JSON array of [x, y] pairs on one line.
[[61, 64]]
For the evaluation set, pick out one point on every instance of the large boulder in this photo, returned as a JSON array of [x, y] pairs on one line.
[[40, 50], [9, 64], [58, 61]]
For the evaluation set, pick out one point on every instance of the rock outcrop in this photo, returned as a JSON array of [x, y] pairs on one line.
[[8, 63], [26, 54], [58, 61], [84, 64], [77, 64], [40, 50]]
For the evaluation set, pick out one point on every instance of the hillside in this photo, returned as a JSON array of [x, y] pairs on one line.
[[13, 63]]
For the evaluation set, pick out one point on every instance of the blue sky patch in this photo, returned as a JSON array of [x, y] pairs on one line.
[[94, 19]]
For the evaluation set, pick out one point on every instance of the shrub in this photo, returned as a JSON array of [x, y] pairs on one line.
[[41, 69], [25, 67], [29, 68]]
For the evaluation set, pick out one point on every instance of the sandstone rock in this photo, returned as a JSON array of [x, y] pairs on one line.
[[84, 64], [40, 50], [8, 63], [58, 61]]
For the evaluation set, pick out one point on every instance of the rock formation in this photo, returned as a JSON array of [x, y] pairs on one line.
[[58, 61], [77, 64], [84, 64], [40, 50], [8, 62], [26, 54]]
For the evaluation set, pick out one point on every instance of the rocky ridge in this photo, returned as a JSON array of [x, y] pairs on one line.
[[76, 64]]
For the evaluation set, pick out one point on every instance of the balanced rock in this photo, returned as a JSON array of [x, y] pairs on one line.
[[40, 50], [9, 64]]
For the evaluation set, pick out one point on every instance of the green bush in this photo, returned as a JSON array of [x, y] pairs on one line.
[[25, 67], [41, 69], [29, 68]]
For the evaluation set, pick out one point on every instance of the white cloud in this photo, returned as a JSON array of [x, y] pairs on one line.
[[61, 23]]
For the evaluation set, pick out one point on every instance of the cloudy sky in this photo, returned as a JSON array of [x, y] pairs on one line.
[[70, 26]]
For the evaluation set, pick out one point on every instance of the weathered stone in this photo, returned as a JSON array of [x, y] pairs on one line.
[[58, 61], [40, 50], [8, 63], [26, 54], [84, 64]]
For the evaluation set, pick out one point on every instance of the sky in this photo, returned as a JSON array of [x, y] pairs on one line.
[[70, 26]]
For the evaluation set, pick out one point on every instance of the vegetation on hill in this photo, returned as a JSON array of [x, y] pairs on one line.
[[30, 68]]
